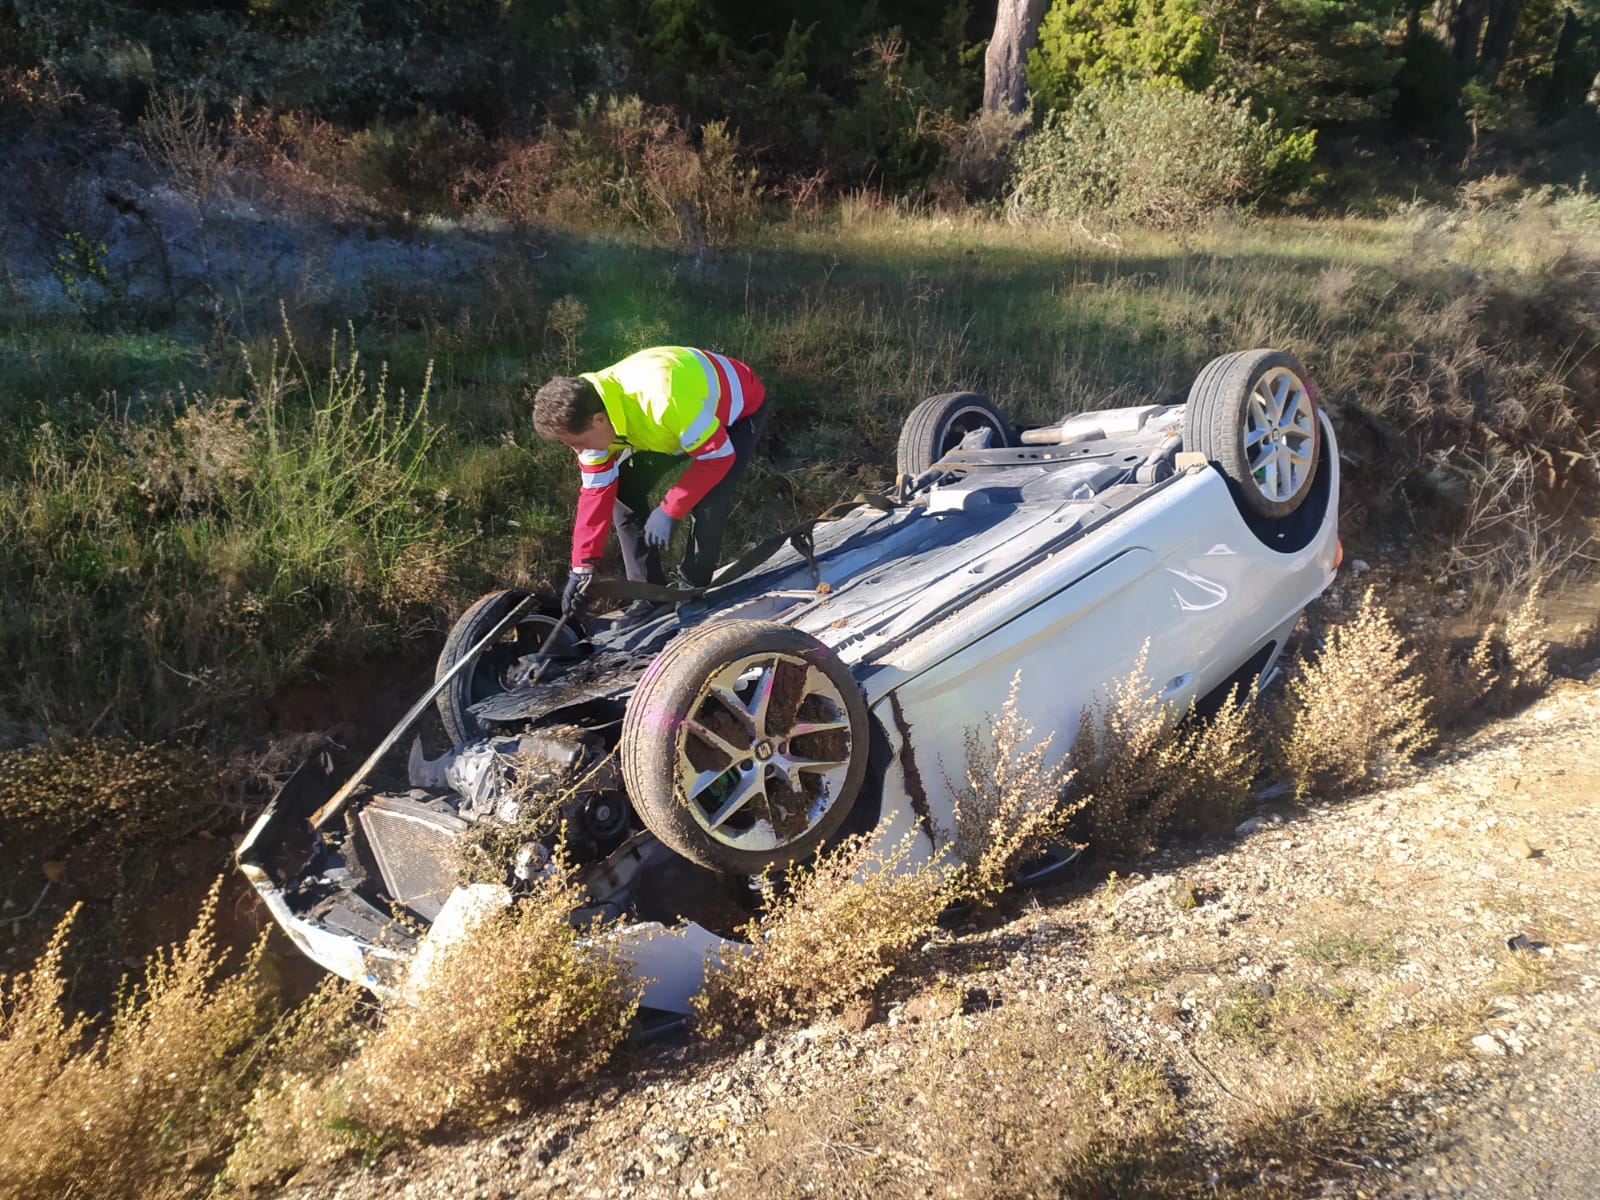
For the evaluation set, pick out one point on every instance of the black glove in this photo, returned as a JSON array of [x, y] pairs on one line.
[[574, 595]]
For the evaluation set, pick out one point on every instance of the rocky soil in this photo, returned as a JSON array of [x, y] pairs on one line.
[[1453, 918]]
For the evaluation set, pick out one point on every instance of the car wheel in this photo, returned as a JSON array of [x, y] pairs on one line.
[[486, 677], [936, 426], [744, 745], [1253, 414]]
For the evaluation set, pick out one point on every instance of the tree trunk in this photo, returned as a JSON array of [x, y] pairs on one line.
[[1565, 89], [1005, 63], [1503, 15], [1466, 25]]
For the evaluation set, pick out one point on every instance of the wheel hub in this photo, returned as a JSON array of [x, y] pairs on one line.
[[1280, 434], [744, 777]]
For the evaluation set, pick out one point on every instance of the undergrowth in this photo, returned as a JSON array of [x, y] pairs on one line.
[[144, 1104], [1357, 707], [839, 926], [520, 1007], [1012, 806], [1140, 772]]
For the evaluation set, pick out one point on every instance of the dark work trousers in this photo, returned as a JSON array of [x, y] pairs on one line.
[[642, 472]]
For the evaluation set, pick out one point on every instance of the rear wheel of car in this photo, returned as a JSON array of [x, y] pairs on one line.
[[1253, 414], [744, 745], [486, 676], [936, 427]]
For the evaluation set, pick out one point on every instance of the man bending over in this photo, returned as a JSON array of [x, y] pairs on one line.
[[631, 425]]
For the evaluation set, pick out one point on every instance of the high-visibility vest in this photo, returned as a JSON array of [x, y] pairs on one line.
[[669, 400]]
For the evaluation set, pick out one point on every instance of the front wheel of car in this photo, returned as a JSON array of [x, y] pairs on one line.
[[1253, 414], [939, 424], [486, 676], [744, 745]]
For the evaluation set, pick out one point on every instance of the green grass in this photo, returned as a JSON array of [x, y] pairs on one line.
[[1349, 949], [130, 600]]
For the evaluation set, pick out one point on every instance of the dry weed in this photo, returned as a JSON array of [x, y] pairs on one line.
[[146, 1106], [1012, 806], [1034, 1103], [630, 162], [90, 800], [843, 925], [1527, 666], [1508, 664], [422, 576], [520, 1007], [1139, 773], [287, 1122], [1358, 707], [206, 455]]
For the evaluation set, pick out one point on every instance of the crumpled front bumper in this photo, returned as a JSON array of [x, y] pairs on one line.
[[669, 962]]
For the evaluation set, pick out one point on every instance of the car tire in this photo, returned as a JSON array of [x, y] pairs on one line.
[[486, 677], [714, 755], [1253, 415], [936, 426]]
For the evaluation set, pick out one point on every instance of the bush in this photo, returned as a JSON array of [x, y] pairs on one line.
[[146, 1106], [1140, 773], [842, 926], [1357, 707], [286, 1125], [159, 563], [1085, 42], [622, 161], [98, 805], [1151, 154], [1012, 806], [521, 1006]]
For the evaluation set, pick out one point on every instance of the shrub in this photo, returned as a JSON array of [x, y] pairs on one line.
[[287, 1124], [522, 1005], [1139, 772], [1085, 42], [1011, 807], [1358, 707], [978, 154], [92, 813], [1151, 153], [144, 1105], [412, 165], [1527, 654], [59, 796], [843, 924], [623, 161]]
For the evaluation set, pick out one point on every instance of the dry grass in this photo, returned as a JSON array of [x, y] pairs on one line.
[[842, 925], [1139, 773], [1358, 708], [1041, 1097], [1013, 805], [1036, 1103], [145, 1105]]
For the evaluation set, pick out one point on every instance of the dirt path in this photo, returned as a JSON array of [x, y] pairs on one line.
[[1325, 1004]]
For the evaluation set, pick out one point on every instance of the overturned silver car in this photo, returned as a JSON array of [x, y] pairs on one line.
[[824, 684]]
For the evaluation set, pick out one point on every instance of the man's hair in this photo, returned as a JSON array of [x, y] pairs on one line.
[[565, 405]]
